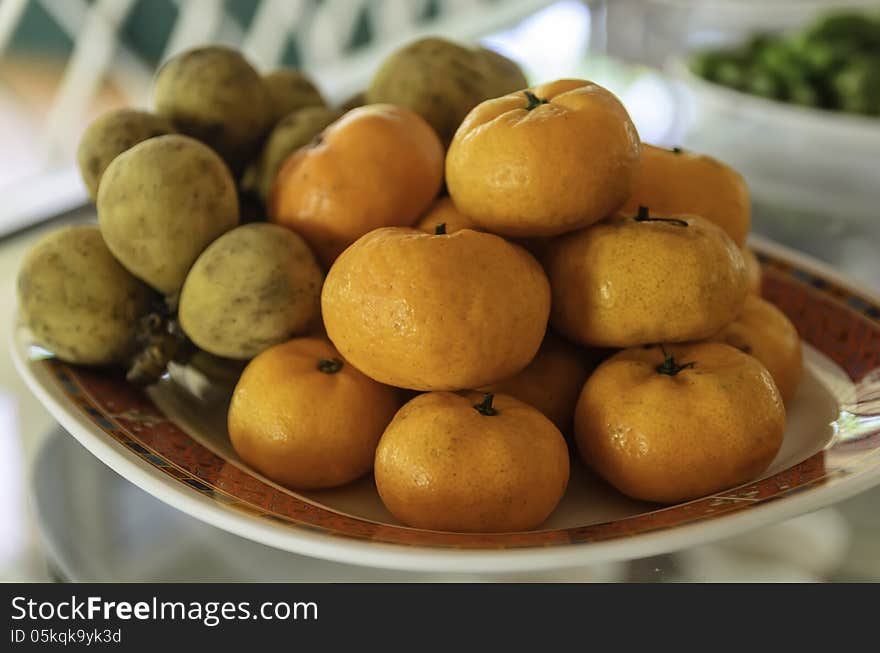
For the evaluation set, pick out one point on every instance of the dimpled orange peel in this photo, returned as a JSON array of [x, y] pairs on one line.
[[543, 161], [644, 278], [763, 331], [305, 418], [444, 212], [379, 165], [753, 271], [551, 382], [471, 462], [670, 424], [678, 181], [436, 311]]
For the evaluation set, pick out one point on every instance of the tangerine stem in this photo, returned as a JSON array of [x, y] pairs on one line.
[[669, 366], [485, 407], [644, 216], [534, 100], [329, 365]]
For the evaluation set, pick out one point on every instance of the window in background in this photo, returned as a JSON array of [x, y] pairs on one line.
[[62, 62], [66, 61]]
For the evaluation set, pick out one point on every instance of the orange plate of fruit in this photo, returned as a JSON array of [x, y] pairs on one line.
[[460, 324]]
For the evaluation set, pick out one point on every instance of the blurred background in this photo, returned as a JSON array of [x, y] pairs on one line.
[[786, 91]]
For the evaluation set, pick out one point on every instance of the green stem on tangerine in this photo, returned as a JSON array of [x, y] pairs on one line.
[[534, 100], [644, 216], [677, 150], [329, 365], [485, 407], [440, 229], [669, 366]]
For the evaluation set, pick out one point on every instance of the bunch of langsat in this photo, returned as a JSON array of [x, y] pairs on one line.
[[451, 281]]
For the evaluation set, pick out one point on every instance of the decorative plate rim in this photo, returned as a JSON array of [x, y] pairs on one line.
[[358, 549]]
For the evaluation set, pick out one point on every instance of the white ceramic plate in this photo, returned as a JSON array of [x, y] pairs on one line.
[[172, 443], [98, 527]]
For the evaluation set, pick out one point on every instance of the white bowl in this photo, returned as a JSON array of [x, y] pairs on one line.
[[794, 158]]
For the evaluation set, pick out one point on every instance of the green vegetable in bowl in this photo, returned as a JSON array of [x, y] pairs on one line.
[[846, 29], [731, 73], [833, 63], [857, 86]]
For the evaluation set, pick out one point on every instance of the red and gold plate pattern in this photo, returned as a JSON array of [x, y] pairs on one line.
[[172, 442]]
